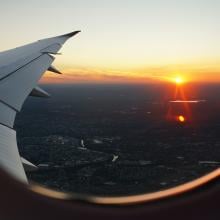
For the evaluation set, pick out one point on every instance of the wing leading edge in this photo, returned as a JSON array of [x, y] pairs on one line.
[[20, 70]]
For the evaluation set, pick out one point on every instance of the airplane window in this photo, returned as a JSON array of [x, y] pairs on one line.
[[121, 139], [137, 108]]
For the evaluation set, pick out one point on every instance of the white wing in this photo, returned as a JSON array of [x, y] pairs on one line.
[[20, 70]]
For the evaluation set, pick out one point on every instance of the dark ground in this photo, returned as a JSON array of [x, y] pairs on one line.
[[76, 134]]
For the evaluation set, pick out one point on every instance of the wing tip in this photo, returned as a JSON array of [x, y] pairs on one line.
[[71, 34]]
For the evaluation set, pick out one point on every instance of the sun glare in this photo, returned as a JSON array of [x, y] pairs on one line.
[[181, 119]]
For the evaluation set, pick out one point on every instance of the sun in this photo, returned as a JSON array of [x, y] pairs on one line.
[[178, 80]]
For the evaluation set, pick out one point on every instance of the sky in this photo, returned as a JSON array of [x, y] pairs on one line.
[[121, 40]]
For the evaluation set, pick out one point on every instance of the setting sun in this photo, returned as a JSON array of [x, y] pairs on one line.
[[178, 80]]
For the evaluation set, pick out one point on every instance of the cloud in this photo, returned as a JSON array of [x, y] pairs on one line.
[[94, 75]]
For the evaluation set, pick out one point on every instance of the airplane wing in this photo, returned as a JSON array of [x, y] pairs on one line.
[[20, 70]]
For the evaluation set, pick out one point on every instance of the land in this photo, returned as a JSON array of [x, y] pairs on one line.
[[118, 139]]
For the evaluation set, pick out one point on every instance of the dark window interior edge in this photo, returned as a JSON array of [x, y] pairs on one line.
[[198, 202]]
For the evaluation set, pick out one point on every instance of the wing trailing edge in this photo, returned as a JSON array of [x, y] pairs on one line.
[[54, 70], [39, 92], [28, 166]]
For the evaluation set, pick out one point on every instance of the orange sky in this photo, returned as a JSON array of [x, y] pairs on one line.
[[190, 73]]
